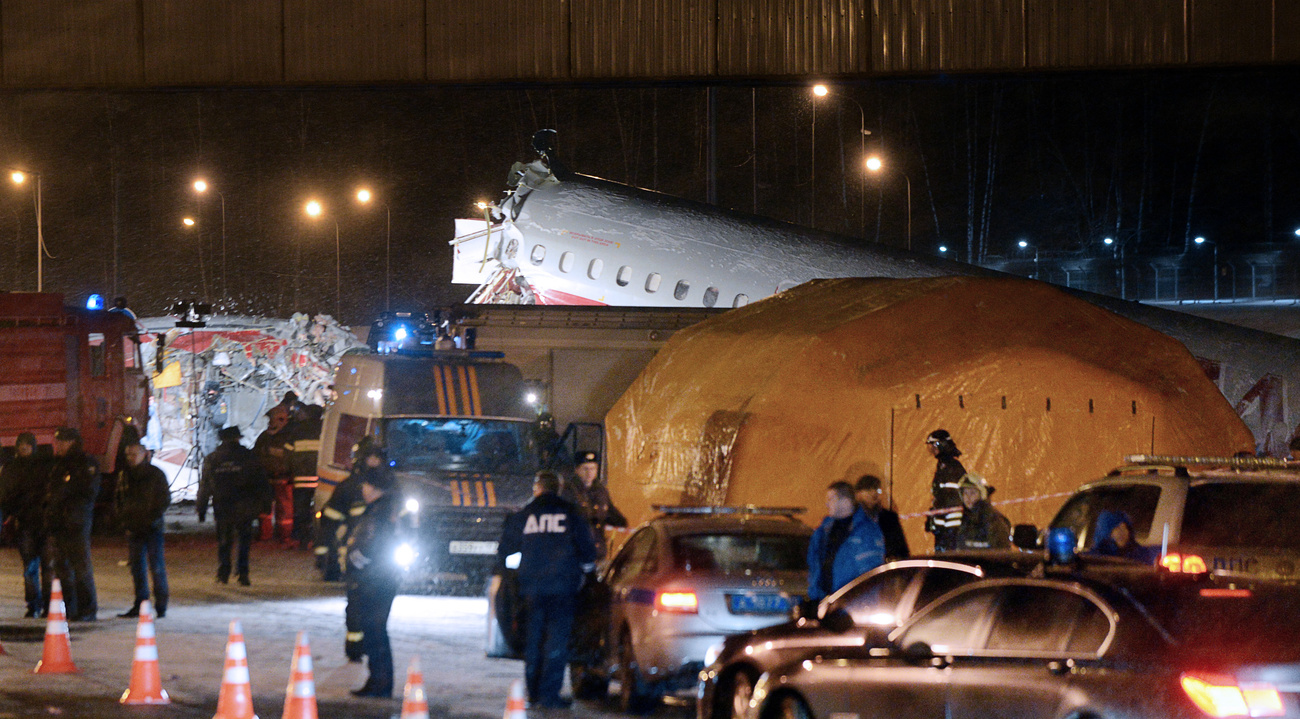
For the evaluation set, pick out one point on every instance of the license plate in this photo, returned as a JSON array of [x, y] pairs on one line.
[[465, 547], [758, 603]]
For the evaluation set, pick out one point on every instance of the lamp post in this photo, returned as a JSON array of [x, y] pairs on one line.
[[190, 222], [364, 196], [1215, 258], [201, 186], [1024, 245], [875, 164], [314, 210], [823, 91], [20, 177]]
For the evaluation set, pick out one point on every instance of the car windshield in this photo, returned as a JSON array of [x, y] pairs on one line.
[[740, 552], [461, 445], [1242, 514], [1080, 513]]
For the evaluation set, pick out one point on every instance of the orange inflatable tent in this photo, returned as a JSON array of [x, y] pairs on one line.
[[834, 379]]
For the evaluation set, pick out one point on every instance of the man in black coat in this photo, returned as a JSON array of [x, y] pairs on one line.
[[868, 493], [141, 498], [71, 489], [588, 493], [555, 546], [373, 577], [236, 485], [22, 498]]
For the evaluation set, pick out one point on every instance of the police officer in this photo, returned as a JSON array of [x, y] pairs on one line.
[[944, 518], [22, 497], [373, 578], [344, 508], [71, 490], [591, 498], [235, 483], [555, 546]]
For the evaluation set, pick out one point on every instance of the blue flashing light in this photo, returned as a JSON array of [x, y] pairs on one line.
[[1060, 545], [400, 334], [95, 302]]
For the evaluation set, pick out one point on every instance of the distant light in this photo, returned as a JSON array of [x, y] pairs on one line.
[[1199, 240], [413, 505], [943, 248], [820, 90], [200, 186], [95, 302], [404, 555], [1297, 232], [20, 177], [1023, 244], [481, 205], [375, 394], [188, 222], [400, 333], [1109, 241], [874, 163], [363, 195], [531, 398], [314, 208]]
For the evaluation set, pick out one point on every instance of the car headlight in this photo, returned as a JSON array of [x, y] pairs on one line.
[[405, 555], [412, 506], [712, 653]]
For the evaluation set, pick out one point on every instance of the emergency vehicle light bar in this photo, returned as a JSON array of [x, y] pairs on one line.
[[746, 509], [1196, 461]]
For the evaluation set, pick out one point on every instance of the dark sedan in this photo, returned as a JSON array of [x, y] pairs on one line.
[[875, 603], [1123, 643]]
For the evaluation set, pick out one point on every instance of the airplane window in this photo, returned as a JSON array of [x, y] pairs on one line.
[[566, 262], [624, 276], [681, 290], [594, 269], [710, 296], [539, 254], [652, 282], [740, 301]]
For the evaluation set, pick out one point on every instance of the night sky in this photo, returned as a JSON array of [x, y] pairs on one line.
[[1150, 158]]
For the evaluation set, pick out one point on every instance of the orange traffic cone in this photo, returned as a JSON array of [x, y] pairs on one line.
[[414, 703], [300, 696], [57, 657], [515, 702], [146, 684], [236, 698]]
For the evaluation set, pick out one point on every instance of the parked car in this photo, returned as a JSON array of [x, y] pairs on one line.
[[879, 600], [1110, 640], [1234, 517]]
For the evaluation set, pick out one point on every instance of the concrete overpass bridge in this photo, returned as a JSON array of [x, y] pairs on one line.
[[127, 44]]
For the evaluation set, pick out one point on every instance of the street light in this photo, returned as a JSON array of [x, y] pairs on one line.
[[203, 273], [875, 164], [1024, 245], [1215, 268], [364, 196], [314, 210], [20, 177], [822, 91], [1117, 253], [201, 187]]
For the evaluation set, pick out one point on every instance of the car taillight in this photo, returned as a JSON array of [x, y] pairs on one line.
[[683, 602], [1221, 696], [1186, 564]]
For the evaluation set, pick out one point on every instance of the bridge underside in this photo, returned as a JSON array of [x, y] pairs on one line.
[[121, 44]]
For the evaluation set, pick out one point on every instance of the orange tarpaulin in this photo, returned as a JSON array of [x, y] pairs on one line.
[[837, 378]]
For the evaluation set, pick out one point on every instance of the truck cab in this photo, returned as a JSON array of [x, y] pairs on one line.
[[461, 441]]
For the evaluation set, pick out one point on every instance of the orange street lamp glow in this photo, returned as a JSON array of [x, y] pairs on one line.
[[363, 195], [874, 164], [188, 221], [18, 177], [200, 186], [820, 90], [314, 208]]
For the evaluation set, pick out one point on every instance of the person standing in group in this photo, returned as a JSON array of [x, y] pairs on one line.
[[22, 500], [235, 483], [846, 544], [373, 578], [868, 492], [142, 496], [303, 442], [273, 448], [982, 526], [344, 508], [71, 489], [555, 548], [590, 496], [944, 517]]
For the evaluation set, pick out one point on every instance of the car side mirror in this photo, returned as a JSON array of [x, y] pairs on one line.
[[1025, 536], [838, 621]]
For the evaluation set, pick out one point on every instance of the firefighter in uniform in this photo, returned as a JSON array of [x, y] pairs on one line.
[[374, 576], [271, 449], [235, 482], [555, 546], [70, 496], [304, 447], [343, 509], [944, 519]]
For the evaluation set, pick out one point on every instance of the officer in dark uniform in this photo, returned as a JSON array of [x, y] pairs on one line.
[[555, 546], [374, 576], [236, 484], [71, 490], [944, 519], [590, 496], [343, 509], [22, 497]]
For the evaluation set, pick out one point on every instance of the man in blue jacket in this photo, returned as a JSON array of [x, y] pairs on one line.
[[846, 544], [555, 546]]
